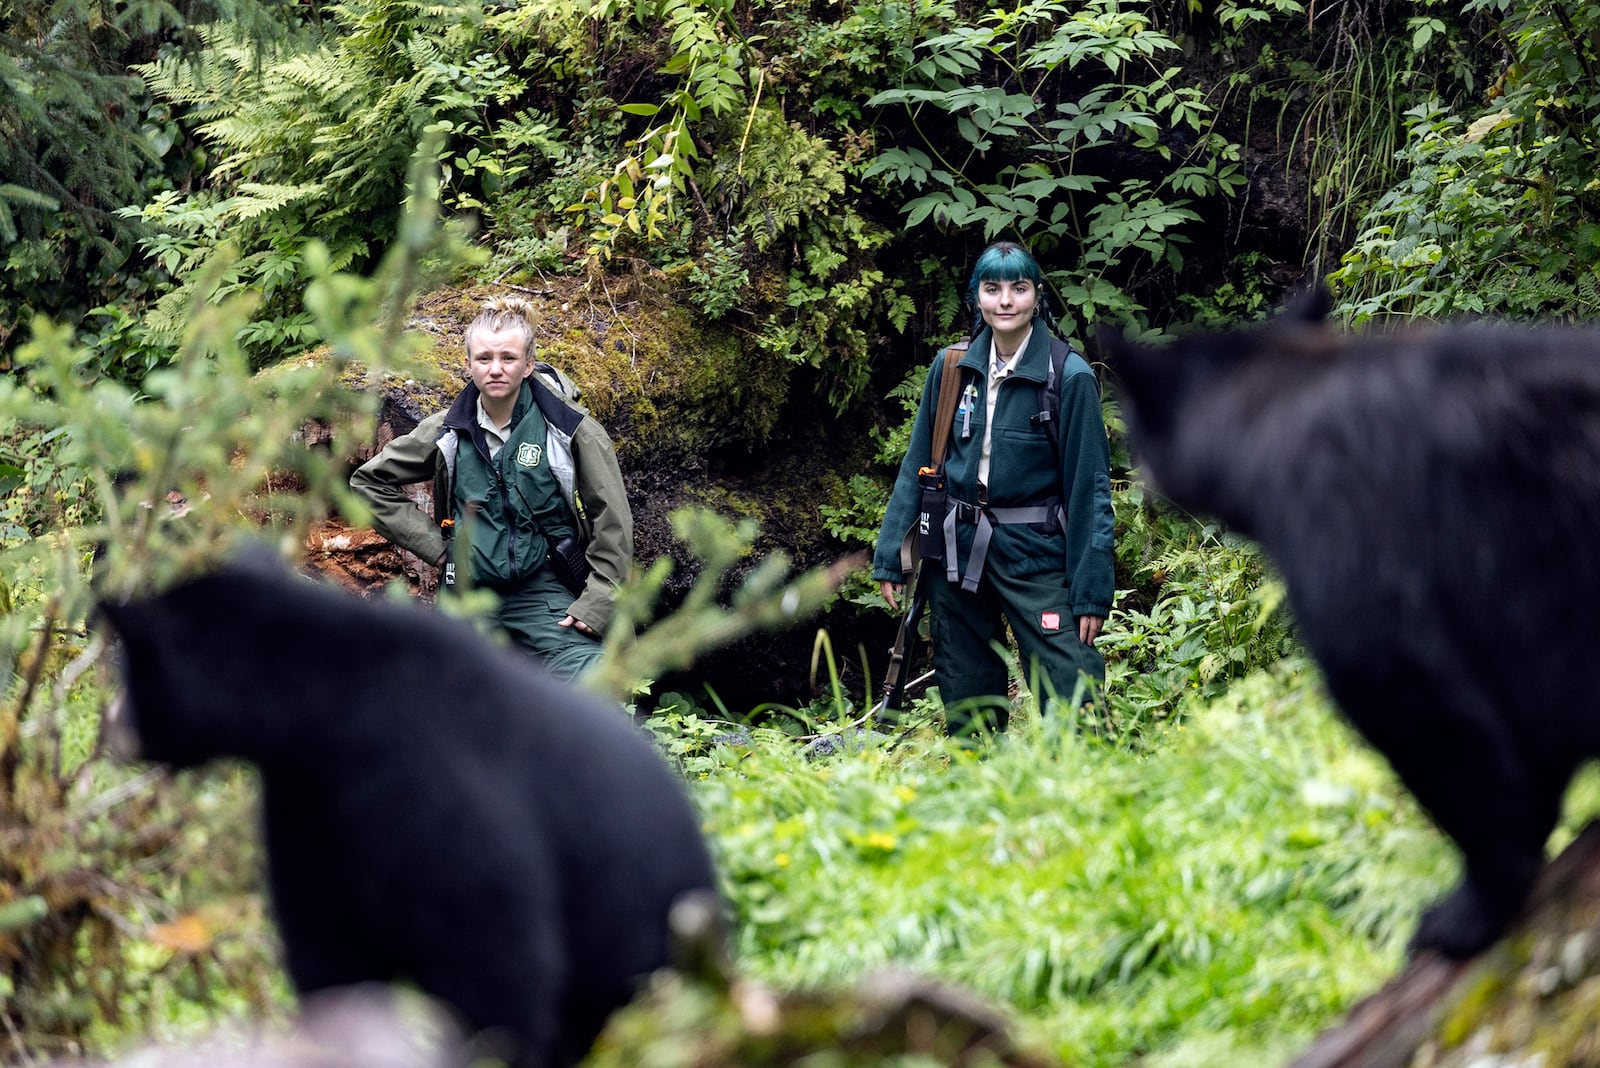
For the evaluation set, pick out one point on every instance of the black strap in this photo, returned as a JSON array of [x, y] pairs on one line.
[[1049, 413]]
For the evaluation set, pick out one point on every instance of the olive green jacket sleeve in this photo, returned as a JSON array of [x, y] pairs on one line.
[[602, 501], [413, 457]]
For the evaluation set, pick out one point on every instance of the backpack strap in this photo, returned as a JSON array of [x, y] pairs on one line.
[[1049, 392], [557, 381], [1049, 414]]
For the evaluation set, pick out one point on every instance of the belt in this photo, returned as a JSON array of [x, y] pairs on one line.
[[986, 519]]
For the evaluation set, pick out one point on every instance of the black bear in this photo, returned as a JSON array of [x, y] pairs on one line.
[[436, 808], [1432, 499]]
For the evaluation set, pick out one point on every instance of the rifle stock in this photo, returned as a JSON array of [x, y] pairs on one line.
[[922, 542]]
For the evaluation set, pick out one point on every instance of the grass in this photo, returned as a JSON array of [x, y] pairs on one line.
[[1215, 898], [1214, 895]]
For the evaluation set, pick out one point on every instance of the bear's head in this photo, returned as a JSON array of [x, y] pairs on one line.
[[1189, 401], [198, 661]]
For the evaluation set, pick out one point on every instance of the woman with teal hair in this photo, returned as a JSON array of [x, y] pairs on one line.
[[1026, 534]]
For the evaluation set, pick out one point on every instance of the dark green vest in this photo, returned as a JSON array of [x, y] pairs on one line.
[[519, 508]]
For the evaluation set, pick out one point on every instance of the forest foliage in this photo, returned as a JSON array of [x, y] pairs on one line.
[[814, 176], [191, 193]]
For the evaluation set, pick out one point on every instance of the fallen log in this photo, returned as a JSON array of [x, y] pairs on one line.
[[1534, 998]]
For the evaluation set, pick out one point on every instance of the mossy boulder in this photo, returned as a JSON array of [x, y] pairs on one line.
[[668, 386]]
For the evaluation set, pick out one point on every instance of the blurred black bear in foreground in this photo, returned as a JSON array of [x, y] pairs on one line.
[[1432, 499], [436, 808]]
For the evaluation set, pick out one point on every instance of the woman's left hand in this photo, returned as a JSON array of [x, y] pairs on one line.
[[1089, 628], [578, 625]]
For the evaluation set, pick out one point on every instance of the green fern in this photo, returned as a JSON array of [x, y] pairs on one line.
[[1532, 295], [312, 141], [780, 175]]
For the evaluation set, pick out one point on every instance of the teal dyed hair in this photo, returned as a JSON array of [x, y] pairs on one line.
[[1006, 261], [1003, 261]]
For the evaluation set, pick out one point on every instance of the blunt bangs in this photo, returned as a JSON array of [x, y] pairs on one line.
[[1004, 261]]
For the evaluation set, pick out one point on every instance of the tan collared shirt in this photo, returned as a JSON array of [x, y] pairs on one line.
[[495, 435]]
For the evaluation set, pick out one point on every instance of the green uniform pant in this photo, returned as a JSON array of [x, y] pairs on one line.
[[967, 627], [531, 614]]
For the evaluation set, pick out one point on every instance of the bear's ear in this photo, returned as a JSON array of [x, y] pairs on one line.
[[1310, 305], [1146, 379]]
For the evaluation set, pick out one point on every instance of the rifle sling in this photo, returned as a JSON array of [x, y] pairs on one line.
[[943, 417], [910, 557], [949, 392]]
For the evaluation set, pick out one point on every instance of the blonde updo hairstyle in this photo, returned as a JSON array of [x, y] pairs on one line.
[[505, 313]]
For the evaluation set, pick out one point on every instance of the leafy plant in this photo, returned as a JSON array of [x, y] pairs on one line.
[[1024, 160], [79, 138], [832, 303], [1217, 616], [787, 186], [1242, 298], [1496, 213], [313, 143], [642, 193], [718, 280]]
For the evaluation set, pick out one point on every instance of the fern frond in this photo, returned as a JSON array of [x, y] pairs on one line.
[[254, 199]]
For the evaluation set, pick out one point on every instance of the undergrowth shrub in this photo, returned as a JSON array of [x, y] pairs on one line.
[[1496, 210], [1198, 608], [79, 138], [313, 138], [1010, 124]]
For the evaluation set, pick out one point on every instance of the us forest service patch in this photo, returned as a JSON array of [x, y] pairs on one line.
[[528, 454]]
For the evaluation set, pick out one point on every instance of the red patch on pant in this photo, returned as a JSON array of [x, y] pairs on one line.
[[1050, 621]]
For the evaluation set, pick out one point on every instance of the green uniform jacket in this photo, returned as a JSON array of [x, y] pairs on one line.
[[580, 453], [1022, 472]]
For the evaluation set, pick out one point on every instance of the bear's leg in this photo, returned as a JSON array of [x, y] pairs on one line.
[[1449, 745], [319, 956], [1502, 841], [325, 944], [508, 982]]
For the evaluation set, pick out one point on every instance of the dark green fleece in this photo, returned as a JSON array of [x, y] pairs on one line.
[[573, 440]]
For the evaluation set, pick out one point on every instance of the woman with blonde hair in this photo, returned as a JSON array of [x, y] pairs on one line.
[[527, 482]]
